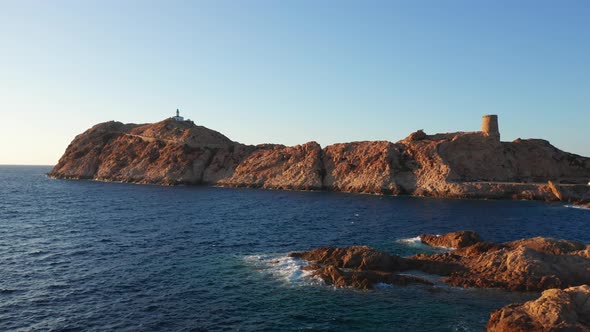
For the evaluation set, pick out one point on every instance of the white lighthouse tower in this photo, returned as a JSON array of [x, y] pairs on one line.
[[178, 117]]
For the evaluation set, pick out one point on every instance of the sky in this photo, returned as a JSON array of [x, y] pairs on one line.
[[289, 72]]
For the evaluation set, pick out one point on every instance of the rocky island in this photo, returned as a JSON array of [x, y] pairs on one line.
[[457, 165]]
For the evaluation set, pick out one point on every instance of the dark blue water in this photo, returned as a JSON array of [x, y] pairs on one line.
[[81, 255]]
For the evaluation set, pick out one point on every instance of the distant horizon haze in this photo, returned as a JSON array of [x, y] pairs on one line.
[[292, 72]]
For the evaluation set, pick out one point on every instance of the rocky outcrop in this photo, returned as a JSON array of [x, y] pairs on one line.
[[556, 310], [475, 165], [364, 279], [357, 266], [548, 245], [168, 152], [364, 167], [459, 165], [83, 156], [354, 257], [279, 167], [526, 265], [451, 240], [533, 264], [560, 268]]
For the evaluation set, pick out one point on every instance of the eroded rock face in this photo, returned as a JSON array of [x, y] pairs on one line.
[[474, 165], [279, 167], [458, 165], [456, 240], [83, 156], [556, 310], [364, 167], [167, 152]]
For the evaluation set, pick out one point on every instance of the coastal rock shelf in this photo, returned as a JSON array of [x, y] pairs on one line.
[[560, 268], [556, 310], [458, 165], [533, 264]]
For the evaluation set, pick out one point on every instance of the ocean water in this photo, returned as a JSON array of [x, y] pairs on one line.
[[91, 256]]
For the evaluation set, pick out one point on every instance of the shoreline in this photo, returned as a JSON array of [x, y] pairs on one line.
[[524, 195]]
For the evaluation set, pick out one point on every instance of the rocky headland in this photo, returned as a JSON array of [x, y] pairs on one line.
[[457, 165], [560, 268]]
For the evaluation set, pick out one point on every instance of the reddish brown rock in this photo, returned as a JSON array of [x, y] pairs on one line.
[[522, 269], [556, 310], [525, 265], [458, 165], [354, 257], [279, 167], [363, 167], [364, 279], [476, 165], [529, 264], [224, 163], [167, 152], [440, 264], [584, 253], [458, 239], [357, 266], [549, 245], [83, 156], [478, 249]]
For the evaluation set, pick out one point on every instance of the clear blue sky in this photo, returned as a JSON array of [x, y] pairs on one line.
[[293, 71]]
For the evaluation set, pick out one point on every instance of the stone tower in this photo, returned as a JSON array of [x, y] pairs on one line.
[[489, 126]]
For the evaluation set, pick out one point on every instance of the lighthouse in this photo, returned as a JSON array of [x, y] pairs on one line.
[[178, 117]]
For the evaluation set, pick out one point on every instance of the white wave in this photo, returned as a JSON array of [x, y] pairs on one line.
[[417, 243], [576, 207], [411, 241], [284, 268]]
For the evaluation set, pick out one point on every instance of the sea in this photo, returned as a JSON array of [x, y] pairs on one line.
[[94, 256]]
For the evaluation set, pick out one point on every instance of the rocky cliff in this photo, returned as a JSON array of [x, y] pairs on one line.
[[470, 165]]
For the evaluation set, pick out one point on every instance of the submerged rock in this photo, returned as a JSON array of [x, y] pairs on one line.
[[556, 310]]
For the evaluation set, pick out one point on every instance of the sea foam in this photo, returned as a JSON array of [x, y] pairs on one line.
[[576, 207], [416, 242], [284, 268]]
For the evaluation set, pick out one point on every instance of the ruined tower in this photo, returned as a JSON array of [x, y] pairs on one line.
[[489, 126]]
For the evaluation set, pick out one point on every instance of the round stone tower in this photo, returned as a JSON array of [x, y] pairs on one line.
[[489, 126]]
